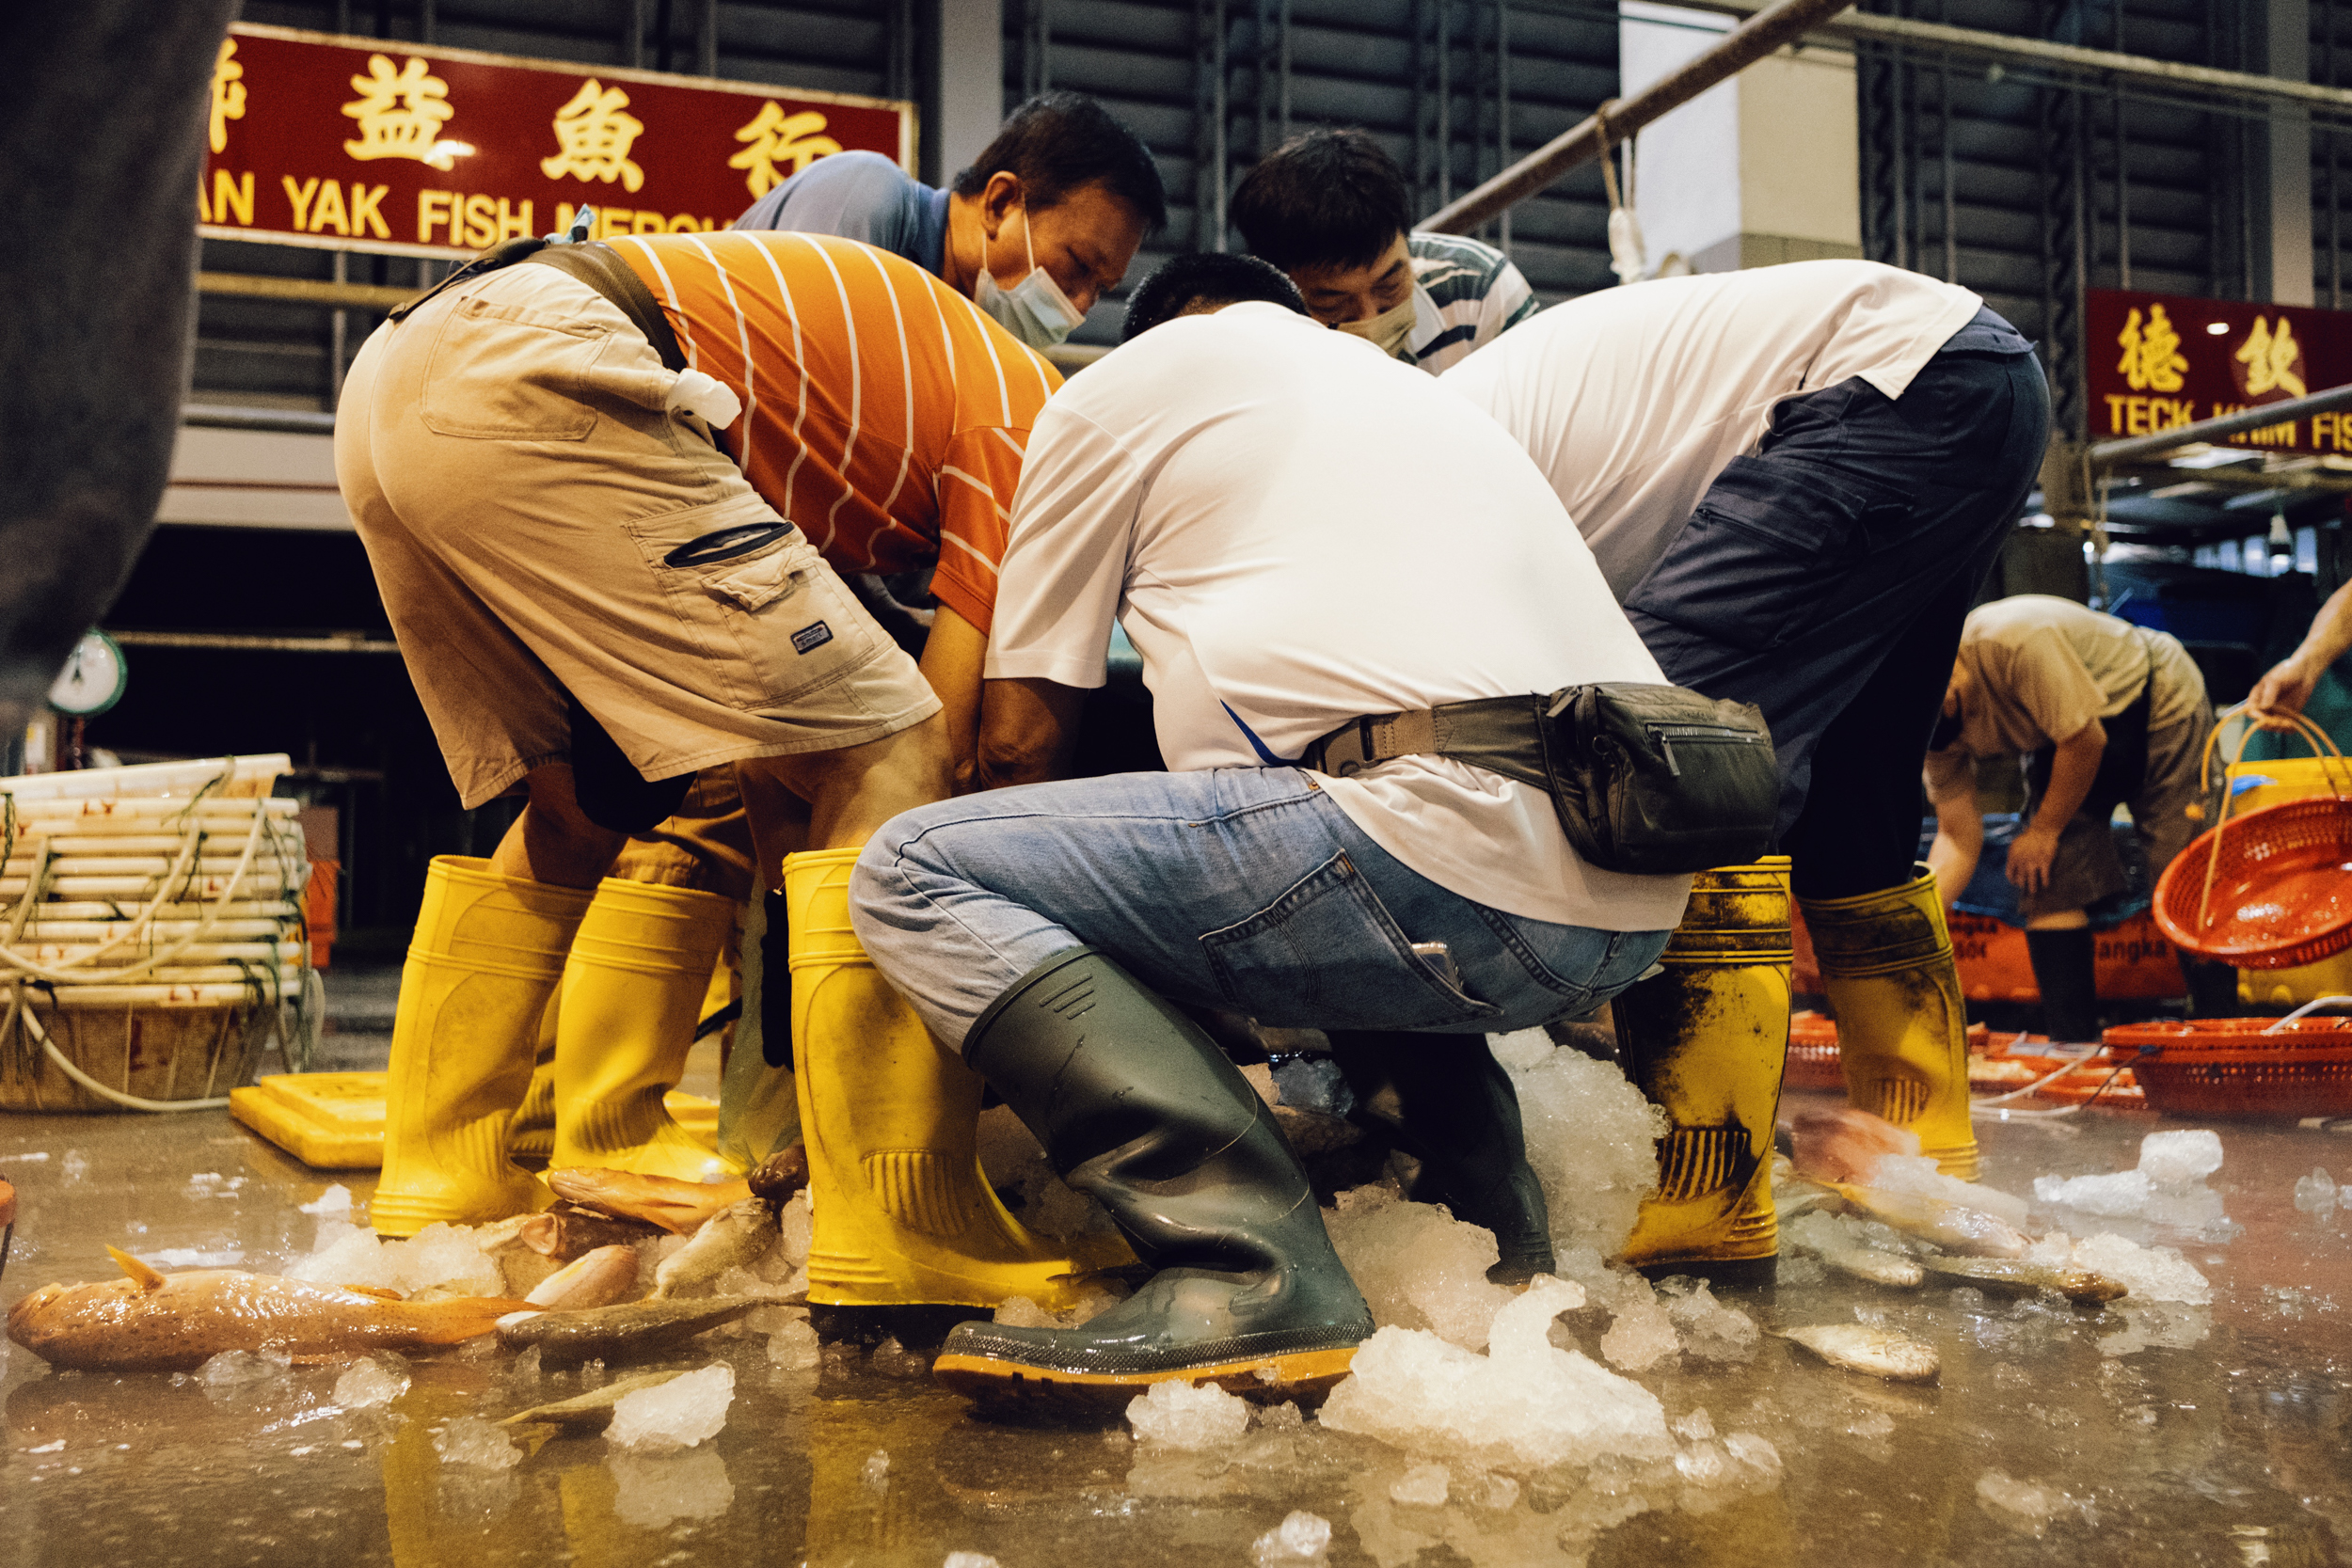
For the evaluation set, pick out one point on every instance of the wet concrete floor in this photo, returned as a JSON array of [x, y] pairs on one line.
[[2183, 1435]]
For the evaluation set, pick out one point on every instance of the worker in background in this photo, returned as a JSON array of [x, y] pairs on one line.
[[2314, 681], [589, 555], [1048, 216], [1793, 478], [1334, 212], [1224, 485], [2105, 713]]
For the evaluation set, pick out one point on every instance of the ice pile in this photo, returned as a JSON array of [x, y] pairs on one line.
[[2317, 1195], [2150, 1273], [652, 1492], [1301, 1537], [1591, 1137], [2026, 1505], [476, 1441], [970, 1560], [794, 1347], [237, 1370], [1021, 1313], [1186, 1416], [1717, 1470], [678, 1413], [373, 1380], [1524, 1404], [1417, 1266], [2168, 1187], [443, 1259], [1423, 1486], [1917, 1175], [1710, 1331]]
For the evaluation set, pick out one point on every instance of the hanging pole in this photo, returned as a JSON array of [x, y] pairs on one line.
[[1767, 30]]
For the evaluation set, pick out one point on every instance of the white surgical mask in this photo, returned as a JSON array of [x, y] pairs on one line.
[[1386, 331], [1034, 309]]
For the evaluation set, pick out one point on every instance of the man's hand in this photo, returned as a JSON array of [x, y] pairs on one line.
[[2030, 856], [2282, 691]]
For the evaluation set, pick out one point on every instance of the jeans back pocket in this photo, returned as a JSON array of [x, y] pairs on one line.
[[1328, 955]]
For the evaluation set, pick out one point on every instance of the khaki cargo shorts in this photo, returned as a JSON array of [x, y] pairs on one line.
[[528, 506]]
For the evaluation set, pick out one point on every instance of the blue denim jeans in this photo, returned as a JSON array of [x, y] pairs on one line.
[[1241, 888]]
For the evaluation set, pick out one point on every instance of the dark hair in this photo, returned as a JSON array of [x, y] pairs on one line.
[[1204, 278], [1058, 142], [1327, 198]]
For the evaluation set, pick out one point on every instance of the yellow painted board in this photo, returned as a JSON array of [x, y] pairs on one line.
[[335, 1121]]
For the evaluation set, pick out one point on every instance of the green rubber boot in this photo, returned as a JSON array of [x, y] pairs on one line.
[[1459, 1115], [1140, 1110]]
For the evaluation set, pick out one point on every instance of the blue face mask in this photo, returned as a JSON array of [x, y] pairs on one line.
[[1034, 309]]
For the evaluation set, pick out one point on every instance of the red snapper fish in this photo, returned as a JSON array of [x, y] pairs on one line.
[[157, 1322]]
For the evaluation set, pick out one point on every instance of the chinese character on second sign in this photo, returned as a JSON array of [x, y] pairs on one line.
[[400, 114], [595, 137], [777, 138], [2270, 360], [2152, 359], [227, 94]]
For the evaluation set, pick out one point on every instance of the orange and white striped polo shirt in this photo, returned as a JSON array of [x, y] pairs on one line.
[[883, 413]]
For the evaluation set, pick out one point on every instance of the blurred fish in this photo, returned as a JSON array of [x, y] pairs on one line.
[[592, 1410], [735, 1238], [1843, 1144], [1951, 1226], [2017, 1277], [597, 1278], [152, 1322], [616, 1333], [1879, 1352], [568, 1232], [677, 1207]]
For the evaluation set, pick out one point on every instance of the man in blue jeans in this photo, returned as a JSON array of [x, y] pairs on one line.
[[1227, 486]]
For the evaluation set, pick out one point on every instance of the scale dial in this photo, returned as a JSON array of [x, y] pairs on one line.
[[93, 678]]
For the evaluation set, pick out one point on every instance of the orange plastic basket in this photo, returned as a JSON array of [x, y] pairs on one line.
[[2232, 1067], [2268, 890]]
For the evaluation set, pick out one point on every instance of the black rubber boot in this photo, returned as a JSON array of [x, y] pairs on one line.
[[1139, 1109], [2211, 988], [1459, 1115], [2065, 975]]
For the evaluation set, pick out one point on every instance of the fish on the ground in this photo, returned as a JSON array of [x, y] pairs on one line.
[[1862, 1348], [1842, 1144], [735, 1238], [568, 1232], [677, 1207], [1951, 1226], [615, 1333], [592, 1410], [598, 1279], [152, 1322], [505, 1233], [1875, 1265], [2017, 1277]]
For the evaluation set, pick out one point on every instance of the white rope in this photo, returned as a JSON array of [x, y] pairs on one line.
[[2323, 1001]]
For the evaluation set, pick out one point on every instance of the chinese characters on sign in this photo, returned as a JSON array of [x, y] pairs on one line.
[[319, 140], [2157, 361]]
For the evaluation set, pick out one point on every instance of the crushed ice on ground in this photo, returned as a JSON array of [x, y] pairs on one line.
[[377, 1378], [1284, 1417], [1917, 1174], [875, 1473], [443, 1259], [237, 1372], [2317, 1195], [794, 1347], [1302, 1537], [1710, 1331], [678, 1413], [334, 1203], [970, 1560], [1184, 1416], [652, 1491], [1417, 1266], [1021, 1313], [1592, 1138], [2150, 1273], [2168, 1187], [1423, 1485], [474, 1440], [2026, 1505], [1525, 1404]]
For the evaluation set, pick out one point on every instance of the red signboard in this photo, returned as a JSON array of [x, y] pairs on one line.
[[370, 145], [2160, 361]]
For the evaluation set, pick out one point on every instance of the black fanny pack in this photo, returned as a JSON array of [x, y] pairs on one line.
[[1647, 779]]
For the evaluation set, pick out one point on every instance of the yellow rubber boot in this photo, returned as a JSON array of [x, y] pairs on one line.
[[532, 1134], [1706, 1042], [633, 992], [1902, 1027], [488, 953], [904, 1215]]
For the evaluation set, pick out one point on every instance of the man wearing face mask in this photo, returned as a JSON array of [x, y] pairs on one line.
[[1043, 223], [1334, 212]]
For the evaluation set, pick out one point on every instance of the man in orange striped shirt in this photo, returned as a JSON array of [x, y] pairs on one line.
[[599, 495]]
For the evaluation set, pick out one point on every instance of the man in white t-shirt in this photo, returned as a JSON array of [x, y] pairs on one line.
[[1794, 479], [1228, 487]]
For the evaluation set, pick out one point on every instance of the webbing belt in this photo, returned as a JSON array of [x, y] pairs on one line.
[[592, 263], [1503, 734]]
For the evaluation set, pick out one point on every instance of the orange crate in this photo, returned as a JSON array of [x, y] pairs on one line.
[[2225, 1066]]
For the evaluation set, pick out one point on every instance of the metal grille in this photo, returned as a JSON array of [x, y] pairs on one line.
[[1455, 90]]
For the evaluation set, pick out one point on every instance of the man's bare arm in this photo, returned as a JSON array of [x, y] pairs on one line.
[[1959, 841], [1027, 730], [2288, 684], [953, 657], [2072, 772]]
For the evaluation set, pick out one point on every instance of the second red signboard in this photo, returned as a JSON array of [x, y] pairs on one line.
[[2157, 361]]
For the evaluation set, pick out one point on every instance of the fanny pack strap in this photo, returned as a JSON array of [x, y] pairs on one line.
[[592, 263], [1503, 734]]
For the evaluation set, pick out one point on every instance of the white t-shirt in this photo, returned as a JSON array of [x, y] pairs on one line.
[[1297, 531], [1632, 399]]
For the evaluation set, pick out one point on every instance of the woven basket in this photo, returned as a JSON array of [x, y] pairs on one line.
[[151, 1049], [2238, 1067]]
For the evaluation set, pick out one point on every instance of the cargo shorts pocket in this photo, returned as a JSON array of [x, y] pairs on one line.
[[775, 621], [492, 375], [1328, 955]]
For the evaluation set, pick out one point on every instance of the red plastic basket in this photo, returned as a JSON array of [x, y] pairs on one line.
[[2271, 889], [2230, 1067]]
